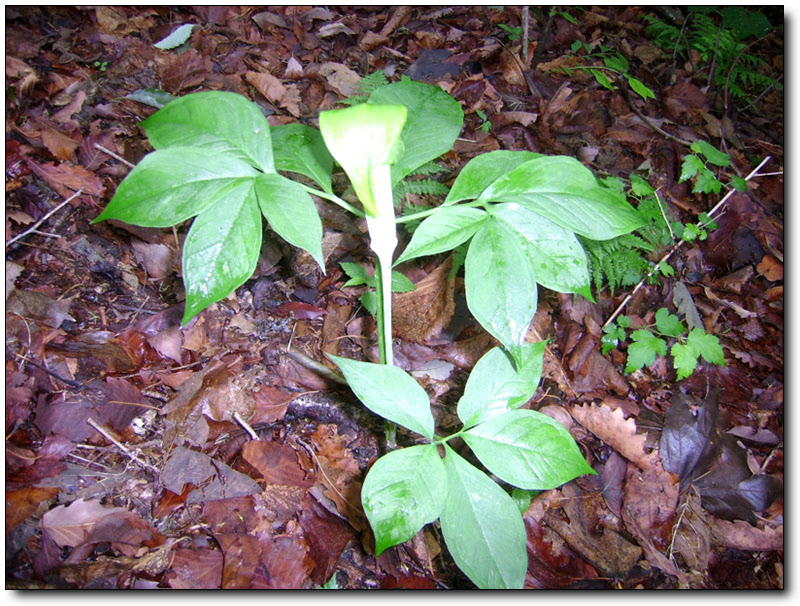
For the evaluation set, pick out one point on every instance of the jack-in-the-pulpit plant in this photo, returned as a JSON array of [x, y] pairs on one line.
[[218, 161]]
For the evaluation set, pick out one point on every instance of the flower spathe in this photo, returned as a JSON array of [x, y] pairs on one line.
[[365, 140]]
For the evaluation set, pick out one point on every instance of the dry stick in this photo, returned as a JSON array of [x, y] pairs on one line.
[[246, 426], [121, 446], [676, 246], [113, 155], [43, 219]]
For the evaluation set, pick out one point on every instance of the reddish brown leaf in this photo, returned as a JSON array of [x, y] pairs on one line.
[[327, 536], [241, 557], [276, 463], [195, 569], [23, 503], [286, 563], [67, 178]]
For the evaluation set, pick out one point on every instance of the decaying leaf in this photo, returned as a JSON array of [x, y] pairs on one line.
[[611, 426], [715, 464], [422, 314], [212, 479]]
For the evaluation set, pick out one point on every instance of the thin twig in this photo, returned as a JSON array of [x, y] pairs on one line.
[[33, 227], [113, 155], [677, 245], [121, 446], [240, 420]]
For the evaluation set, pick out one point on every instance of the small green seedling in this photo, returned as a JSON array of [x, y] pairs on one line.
[[649, 343]]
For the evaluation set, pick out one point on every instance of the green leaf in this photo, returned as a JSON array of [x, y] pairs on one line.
[[482, 527], [684, 359], [690, 232], [448, 228], [291, 212], [602, 79], [404, 490], [669, 324], [739, 183], [563, 190], [176, 38], [401, 283], [389, 392], [172, 185], [707, 183], [300, 149], [434, 122], [691, 166], [481, 171], [641, 89], [644, 349], [497, 385], [640, 187], [357, 274], [711, 153], [527, 449], [500, 283], [558, 259], [613, 335], [221, 249], [224, 123], [707, 346]]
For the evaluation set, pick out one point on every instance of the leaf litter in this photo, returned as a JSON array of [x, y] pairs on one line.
[[258, 454]]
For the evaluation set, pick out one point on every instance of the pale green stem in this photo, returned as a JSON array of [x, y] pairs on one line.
[[383, 241], [333, 198]]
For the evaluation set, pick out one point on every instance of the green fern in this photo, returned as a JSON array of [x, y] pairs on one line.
[[623, 261], [719, 44]]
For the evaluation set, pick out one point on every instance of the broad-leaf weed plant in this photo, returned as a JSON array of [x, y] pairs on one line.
[[217, 160]]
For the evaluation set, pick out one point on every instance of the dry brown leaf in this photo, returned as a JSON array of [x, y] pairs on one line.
[[67, 179], [742, 535], [283, 95], [341, 78], [770, 268], [423, 313], [611, 426]]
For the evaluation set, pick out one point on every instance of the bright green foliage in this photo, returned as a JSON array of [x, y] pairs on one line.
[[521, 213], [647, 344], [214, 163], [481, 523], [695, 166]]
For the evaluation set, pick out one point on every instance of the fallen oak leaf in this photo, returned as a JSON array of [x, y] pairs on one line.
[[611, 426]]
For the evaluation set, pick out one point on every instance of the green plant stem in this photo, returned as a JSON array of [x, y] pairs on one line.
[[427, 213], [335, 199]]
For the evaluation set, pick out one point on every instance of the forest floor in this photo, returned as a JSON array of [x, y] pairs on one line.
[[125, 463]]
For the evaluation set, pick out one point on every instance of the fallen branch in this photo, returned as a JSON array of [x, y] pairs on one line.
[[678, 244]]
